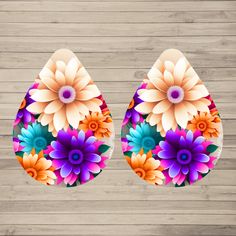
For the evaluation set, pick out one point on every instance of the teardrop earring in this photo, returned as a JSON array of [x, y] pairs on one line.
[[172, 132], [63, 132]]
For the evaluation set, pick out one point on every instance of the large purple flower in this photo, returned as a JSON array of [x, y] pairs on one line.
[[76, 157], [23, 114], [131, 114], [184, 156]]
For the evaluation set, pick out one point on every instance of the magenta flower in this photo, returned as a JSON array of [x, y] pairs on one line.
[[125, 145], [16, 145], [131, 114], [76, 156], [23, 114], [184, 156]]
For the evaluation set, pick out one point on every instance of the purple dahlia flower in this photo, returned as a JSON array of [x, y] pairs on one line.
[[131, 114], [75, 156], [184, 157], [23, 114]]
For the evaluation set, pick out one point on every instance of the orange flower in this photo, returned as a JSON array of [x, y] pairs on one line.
[[207, 123], [38, 167], [100, 124], [146, 167]]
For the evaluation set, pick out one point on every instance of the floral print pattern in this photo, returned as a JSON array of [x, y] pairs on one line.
[[100, 124], [173, 95], [172, 119], [146, 167], [76, 156], [63, 133], [64, 96], [38, 167]]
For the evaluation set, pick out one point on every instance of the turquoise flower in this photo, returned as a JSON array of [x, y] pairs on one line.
[[35, 136], [143, 137]]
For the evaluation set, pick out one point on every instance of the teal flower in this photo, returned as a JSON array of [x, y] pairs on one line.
[[35, 136], [143, 137]]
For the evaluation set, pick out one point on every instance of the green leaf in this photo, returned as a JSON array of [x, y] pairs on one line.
[[144, 116], [203, 175], [181, 185], [129, 125], [95, 175], [122, 133], [211, 148], [73, 185], [103, 148], [129, 154], [21, 154]]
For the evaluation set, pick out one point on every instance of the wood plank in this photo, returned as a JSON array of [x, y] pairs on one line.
[[118, 207], [147, 29], [118, 17], [116, 74], [71, 1], [91, 192], [118, 60], [117, 230], [118, 44], [118, 41], [117, 6], [119, 178], [67, 219]]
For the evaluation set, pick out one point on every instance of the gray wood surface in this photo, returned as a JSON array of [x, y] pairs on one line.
[[118, 41]]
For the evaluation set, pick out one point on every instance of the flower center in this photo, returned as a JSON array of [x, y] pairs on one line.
[[76, 157], [32, 172], [175, 94], [131, 105], [184, 156], [23, 104], [93, 125], [148, 143], [140, 172], [201, 125], [40, 143], [67, 94]]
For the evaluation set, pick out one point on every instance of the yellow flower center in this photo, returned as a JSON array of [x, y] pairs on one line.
[[140, 172]]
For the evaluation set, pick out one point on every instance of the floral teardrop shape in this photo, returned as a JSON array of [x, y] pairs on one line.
[[63, 132], [172, 132]]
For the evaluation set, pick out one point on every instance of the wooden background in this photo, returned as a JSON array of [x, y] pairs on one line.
[[118, 41]]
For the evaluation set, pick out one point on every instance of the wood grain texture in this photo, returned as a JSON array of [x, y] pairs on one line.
[[118, 41]]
